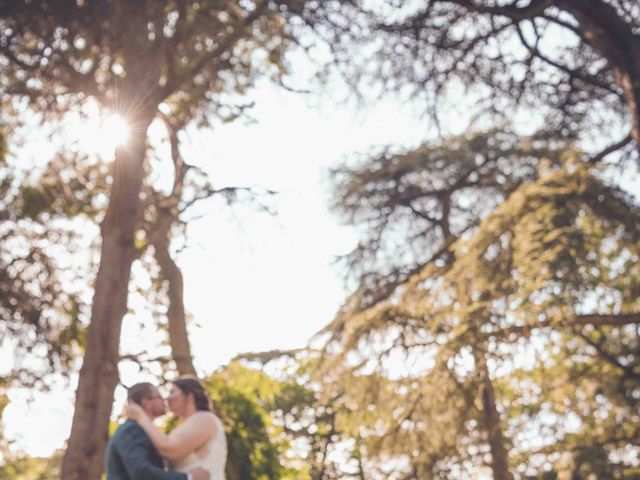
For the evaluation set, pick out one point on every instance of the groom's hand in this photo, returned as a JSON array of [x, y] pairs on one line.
[[199, 474]]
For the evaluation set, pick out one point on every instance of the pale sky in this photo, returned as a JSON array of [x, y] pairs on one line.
[[255, 282]]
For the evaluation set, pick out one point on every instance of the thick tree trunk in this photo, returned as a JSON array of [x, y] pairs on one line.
[[608, 32], [630, 83], [491, 418], [83, 459], [601, 26], [233, 471], [178, 336], [137, 100]]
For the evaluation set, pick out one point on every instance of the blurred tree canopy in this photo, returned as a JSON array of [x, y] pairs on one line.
[[495, 280], [40, 307], [496, 310], [282, 424], [568, 65], [245, 399]]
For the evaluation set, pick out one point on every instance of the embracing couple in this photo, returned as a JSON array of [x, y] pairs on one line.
[[196, 449]]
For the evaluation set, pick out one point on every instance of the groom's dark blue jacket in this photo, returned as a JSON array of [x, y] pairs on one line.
[[131, 456]]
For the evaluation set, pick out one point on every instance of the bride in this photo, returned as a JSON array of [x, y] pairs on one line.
[[198, 440]]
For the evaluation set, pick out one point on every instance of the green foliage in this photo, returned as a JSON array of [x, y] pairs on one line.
[[68, 187], [244, 399], [40, 316], [31, 468], [3, 147], [4, 401], [282, 427]]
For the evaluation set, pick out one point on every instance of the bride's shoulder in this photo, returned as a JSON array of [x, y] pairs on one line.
[[203, 416]]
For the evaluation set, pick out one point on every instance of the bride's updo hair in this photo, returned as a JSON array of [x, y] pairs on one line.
[[192, 385]]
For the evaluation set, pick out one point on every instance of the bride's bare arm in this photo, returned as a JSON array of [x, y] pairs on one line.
[[183, 439]]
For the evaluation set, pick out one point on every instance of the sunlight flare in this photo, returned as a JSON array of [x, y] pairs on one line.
[[117, 129], [101, 134]]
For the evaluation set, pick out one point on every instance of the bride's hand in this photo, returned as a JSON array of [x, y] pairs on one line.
[[133, 411]]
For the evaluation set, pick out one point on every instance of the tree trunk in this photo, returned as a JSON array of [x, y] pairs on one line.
[[630, 84], [83, 459], [491, 418], [178, 336], [607, 31], [233, 471]]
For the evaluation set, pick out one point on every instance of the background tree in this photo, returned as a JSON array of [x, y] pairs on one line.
[[565, 65], [312, 424], [39, 309], [574, 63], [533, 264], [58, 53], [245, 399]]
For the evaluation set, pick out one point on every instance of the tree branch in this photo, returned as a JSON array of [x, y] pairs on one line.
[[610, 149], [598, 320]]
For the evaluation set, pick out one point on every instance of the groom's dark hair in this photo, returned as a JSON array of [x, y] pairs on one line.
[[139, 391]]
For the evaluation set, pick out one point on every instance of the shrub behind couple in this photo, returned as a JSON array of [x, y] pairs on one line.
[[196, 449]]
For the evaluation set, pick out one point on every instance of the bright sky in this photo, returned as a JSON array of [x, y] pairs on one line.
[[254, 283]]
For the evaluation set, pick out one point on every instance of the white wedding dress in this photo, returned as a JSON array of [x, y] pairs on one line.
[[211, 456]]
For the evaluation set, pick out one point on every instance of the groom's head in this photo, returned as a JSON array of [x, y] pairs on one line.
[[147, 396]]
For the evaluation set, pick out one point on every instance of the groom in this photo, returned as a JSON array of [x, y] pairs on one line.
[[130, 454]]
